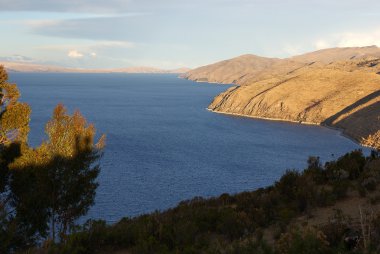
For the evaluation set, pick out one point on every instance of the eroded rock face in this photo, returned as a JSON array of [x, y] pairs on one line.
[[344, 93]]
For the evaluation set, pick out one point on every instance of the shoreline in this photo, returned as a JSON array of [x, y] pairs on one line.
[[262, 118], [341, 131], [205, 81]]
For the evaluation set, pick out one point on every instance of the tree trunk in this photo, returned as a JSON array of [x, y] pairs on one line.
[[53, 225]]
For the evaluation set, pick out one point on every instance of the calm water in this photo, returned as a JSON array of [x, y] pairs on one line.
[[163, 146]]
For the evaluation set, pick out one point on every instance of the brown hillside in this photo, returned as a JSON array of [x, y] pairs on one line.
[[242, 69], [339, 54], [344, 93], [247, 68]]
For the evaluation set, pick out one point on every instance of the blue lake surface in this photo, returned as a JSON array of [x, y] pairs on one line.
[[163, 146]]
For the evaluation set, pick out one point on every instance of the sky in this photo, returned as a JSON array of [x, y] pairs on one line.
[[178, 33]]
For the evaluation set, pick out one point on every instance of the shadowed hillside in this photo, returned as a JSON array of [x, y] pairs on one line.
[[337, 87]]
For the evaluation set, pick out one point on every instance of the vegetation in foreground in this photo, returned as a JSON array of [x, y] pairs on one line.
[[43, 190], [324, 209]]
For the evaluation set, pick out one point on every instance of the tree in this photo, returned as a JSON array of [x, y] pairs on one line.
[[14, 127], [71, 176], [43, 190], [14, 115], [64, 168]]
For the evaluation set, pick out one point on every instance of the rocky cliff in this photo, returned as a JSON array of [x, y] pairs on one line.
[[335, 87]]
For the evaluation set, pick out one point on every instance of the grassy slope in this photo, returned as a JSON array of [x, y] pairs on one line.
[[338, 87], [328, 95]]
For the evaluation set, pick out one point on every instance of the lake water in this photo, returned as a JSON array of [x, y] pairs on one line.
[[163, 146]]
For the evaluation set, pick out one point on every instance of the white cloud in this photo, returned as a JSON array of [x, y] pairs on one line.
[[75, 54], [89, 47], [18, 58], [350, 39], [321, 44], [359, 39], [114, 44]]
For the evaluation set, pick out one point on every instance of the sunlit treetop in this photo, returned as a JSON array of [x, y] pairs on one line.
[[15, 116]]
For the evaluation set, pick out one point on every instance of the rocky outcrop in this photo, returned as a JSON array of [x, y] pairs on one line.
[[344, 93]]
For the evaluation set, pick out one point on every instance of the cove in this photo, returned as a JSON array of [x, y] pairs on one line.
[[163, 146]]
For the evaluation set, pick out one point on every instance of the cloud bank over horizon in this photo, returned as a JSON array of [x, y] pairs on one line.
[[94, 6]]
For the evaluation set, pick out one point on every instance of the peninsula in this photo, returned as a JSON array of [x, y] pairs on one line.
[[337, 87]]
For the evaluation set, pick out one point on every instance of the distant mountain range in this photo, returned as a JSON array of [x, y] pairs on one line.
[[14, 66], [337, 87]]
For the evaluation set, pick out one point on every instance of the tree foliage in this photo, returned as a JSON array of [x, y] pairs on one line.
[[14, 115], [43, 190]]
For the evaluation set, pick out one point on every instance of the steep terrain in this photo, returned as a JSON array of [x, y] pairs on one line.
[[243, 69], [334, 87], [247, 68]]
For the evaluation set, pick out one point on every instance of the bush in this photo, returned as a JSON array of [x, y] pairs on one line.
[[303, 241]]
